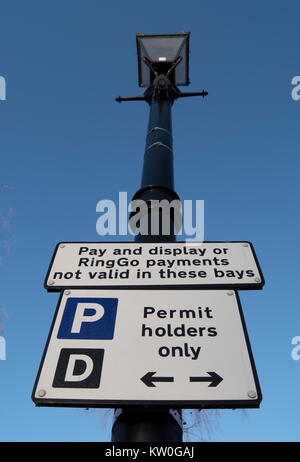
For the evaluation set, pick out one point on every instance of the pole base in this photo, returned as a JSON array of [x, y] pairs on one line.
[[147, 425]]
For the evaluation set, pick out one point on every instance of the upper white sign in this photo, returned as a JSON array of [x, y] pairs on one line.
[[165, 265]]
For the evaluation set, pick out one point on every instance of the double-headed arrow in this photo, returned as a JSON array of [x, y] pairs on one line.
[[149, 379]]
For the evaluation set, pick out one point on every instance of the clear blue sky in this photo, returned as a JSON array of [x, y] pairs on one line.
[[66, 144]]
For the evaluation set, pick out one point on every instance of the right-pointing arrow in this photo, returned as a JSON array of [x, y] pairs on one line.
[[214, 379]]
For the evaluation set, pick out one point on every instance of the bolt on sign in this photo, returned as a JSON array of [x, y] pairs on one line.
[[112, 348], [144, 265]]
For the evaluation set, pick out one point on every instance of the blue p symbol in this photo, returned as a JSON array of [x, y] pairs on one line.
[[89, 318]]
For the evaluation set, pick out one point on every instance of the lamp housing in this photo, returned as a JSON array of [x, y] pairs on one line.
[[166, 54]]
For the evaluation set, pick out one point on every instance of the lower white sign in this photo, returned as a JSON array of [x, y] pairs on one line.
[[184, 348]]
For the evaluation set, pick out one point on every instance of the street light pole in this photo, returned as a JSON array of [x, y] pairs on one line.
[[157, 183], [152, 423]]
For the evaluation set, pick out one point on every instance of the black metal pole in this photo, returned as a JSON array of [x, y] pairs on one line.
[[153, 424]]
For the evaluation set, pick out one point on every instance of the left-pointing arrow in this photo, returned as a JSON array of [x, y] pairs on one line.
[[148, 379]]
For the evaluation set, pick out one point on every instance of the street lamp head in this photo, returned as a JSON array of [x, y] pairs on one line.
[[163, 65], [164, 54]]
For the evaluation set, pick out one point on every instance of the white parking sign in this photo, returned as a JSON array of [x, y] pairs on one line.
[[184, 348]]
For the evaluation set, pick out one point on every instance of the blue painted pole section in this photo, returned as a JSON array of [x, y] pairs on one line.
[[158, 159]]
